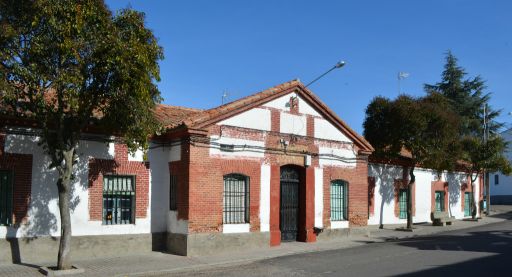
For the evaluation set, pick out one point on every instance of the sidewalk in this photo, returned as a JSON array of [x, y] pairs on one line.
[[157, 263]]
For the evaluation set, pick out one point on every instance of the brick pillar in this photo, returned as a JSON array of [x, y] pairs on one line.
[[310, 205], [275, 232]]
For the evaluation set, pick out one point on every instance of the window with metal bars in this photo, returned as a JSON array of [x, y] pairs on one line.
[[339, 200], [439, 201], [402, 201], [6, 198], [173, 186], [467, 204], [236, 199], [118, 199]]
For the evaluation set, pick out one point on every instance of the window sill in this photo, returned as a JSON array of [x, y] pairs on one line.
[[339, 224], [236, 228]]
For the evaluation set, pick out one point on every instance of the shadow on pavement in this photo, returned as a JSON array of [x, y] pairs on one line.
[[498, 243]]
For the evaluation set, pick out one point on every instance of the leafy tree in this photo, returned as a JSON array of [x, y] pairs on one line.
[[71, 66], [426, 128], [486, 155], [468, 99]]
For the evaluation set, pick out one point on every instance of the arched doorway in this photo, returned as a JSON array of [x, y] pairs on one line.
[[289, 204]]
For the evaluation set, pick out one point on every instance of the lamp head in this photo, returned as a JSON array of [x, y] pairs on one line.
[[340, 64]]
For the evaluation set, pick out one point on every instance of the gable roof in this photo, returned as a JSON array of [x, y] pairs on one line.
[[197, 119]]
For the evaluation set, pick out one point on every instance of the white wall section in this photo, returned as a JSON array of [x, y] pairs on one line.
[[256, 118], [337, 157], [242, 147], [325, 130], [265, 198], [293, 124]]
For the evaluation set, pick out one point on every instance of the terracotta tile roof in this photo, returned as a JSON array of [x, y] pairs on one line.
[[173, 116], [240, 105]]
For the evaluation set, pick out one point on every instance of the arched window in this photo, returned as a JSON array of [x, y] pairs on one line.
[[339, 200], [236, 199]]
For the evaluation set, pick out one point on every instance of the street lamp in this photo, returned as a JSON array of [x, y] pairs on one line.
[[340, 64]]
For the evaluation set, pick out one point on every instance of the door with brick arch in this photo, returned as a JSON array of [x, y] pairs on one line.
[[289, 207]]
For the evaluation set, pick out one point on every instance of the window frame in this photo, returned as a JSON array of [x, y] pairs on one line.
[[402, 193], [467, 206], [441, 203], [230, 215], [133, 199], [9, 197], [338, 215]]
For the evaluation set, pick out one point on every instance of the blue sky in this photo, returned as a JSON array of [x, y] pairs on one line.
[[247, 46]]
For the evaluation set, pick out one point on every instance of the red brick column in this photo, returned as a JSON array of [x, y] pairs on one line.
[[310, 205], [275, 232]]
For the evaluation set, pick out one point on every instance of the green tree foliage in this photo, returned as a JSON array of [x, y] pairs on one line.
[[424, 128], [71, 66], [468, 99]]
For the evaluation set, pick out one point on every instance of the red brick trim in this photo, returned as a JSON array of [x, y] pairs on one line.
[[275, 120], [357, 179], [438, 186], [119, 166], [21, 167]]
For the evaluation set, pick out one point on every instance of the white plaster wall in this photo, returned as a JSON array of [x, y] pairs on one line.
[[325, 130], [455, 195], [422, 197], [175, 225], [504, 186], [319, 197], [476, 196], [236, 228], [256, 118], [159, 158], [339, 224], [138, 156], [265, 198], [43, 212], [384, 189], [337, 157], [241, 149], [384, 198], [283, 103], [293, 124]]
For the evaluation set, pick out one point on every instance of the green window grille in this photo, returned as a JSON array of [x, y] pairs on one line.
[[439, 201], [402, 202], [5, 198], [339, 200], [173, 188], [118, 199], [467, 204], [236, 199]]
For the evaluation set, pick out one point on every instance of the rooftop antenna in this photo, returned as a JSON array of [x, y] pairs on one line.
[[225, 95], [401, 75]]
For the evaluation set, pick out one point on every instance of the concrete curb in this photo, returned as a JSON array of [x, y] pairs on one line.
[[365, 235]]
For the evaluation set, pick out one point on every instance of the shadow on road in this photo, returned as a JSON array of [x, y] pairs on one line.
[[498, 243]]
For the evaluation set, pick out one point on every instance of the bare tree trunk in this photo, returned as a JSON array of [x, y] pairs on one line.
[[409, 198], [63, 184], [473, 203]]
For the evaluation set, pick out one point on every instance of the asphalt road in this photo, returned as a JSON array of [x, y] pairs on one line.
[[479, 251]]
